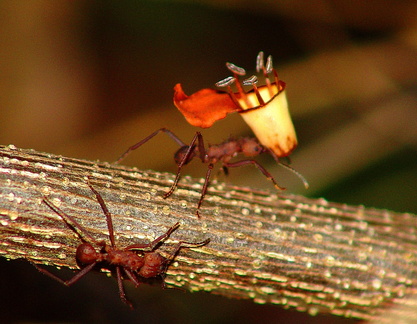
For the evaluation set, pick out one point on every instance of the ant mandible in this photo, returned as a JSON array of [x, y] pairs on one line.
[[148, 264], [223, 153]]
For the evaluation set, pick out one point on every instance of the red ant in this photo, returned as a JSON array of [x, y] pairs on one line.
[[223, 152], [148, 264]]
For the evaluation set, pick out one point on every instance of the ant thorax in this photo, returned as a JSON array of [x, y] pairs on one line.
[[127, 259], [225, 151]]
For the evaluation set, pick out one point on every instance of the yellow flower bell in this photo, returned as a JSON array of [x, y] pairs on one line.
[[263, 108]]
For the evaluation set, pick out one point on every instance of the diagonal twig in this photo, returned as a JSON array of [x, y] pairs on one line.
[[310, 254]]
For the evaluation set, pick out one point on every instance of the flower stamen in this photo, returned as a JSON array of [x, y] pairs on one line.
[[252, 82], [227, 82], [260, 66], [238, 71]]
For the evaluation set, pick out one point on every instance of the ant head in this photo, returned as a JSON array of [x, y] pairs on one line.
[[251, 147], [86, 254], [180, 154]]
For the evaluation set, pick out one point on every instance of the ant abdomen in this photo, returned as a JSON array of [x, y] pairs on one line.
[[181, 154], [153, 266], [86, 254]]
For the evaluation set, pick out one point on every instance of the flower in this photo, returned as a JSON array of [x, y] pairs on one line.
[[264, 108], [204, 107]]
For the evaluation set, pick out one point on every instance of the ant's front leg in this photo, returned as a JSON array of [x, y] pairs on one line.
[[260, 168], [71, 281], [80, 230], [106, 213]]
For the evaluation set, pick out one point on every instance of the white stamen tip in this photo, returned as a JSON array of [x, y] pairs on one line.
[[269, 65], [250, 81], [235, 69], [225, 82], [260, 61]]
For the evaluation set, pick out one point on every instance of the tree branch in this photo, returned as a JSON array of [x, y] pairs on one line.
[[305, 253]]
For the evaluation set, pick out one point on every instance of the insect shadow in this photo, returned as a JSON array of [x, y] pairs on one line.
[[135, 262], [224, 152]]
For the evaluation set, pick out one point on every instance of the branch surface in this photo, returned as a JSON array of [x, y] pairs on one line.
[[310, 254]]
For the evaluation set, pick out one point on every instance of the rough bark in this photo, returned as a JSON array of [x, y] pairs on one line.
[[310, 254]]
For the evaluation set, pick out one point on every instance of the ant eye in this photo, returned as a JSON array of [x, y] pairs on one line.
[[264, 108], [251, 148]]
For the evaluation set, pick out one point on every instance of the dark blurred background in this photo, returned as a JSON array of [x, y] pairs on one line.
[[87, 79]]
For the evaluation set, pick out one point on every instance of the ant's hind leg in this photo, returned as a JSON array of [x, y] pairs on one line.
[[184, 160], [140, 143], [151, 246], [184, 244], [205, 186]]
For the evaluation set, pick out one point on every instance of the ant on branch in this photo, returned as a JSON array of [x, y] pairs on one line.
[[264, 108], [223, 153], [146, 264]]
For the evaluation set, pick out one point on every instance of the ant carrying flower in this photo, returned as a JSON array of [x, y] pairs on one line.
[[264, 108]]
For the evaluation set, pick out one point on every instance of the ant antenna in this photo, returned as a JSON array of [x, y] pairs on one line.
[[298, 174], [286, 166]]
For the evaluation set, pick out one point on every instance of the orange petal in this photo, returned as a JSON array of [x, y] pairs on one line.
[[205, 107]]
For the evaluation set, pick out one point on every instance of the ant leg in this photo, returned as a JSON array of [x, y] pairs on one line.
[[81, 231], [260, 167], [71, 281], [107, 213], [140, 143], [184, 160], [205, 186], [155, 242], [201, 148], [122, 293], [179, 246], [132, 277]]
